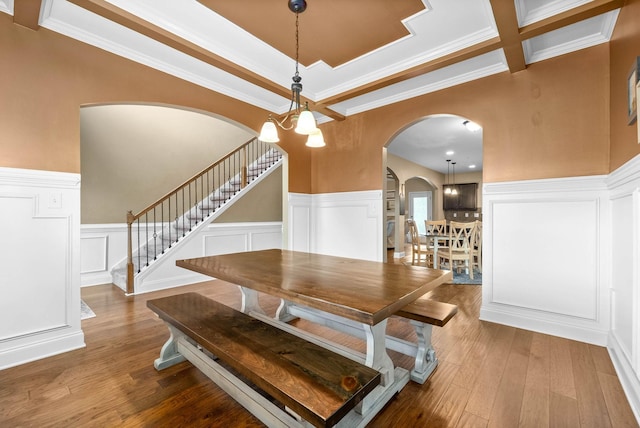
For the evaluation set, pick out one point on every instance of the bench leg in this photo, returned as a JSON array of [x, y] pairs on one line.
[[169, 354], [426, 361]]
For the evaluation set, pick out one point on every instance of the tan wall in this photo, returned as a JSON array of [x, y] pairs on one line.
[[47, 77], [625, 48], [262, 203], [550, 120], [405, 170], [132, 155]]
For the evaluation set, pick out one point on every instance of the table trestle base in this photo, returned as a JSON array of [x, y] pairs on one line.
[[423, 351]]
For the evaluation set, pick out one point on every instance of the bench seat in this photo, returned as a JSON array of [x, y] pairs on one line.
[[422, 314], [317, 384], [429, 311]]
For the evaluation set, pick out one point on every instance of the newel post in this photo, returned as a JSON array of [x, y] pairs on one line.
[[130, 219]]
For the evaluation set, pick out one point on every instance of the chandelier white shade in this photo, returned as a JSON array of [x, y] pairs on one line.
[[316, 139], [306, 123], [269, 133]]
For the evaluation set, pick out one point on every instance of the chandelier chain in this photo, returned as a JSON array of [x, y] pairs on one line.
[[297, 41]]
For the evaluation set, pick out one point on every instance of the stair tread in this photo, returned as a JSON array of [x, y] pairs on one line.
[[193, 217]]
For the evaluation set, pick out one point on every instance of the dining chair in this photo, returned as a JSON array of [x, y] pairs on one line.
[[419, 251], [477, 247], [461, 247], [436, 227]]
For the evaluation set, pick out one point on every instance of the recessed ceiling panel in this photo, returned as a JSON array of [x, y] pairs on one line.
[[580, 35], [530, 11], [333, 31]]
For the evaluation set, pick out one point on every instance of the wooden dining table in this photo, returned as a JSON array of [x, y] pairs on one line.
[[359, 293]]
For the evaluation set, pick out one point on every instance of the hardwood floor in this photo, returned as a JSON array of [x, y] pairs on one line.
[[489, 375]]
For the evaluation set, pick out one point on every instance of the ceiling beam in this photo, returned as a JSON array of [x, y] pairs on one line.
[[510, 40], [27, 13], [131, 21], [507, 23], [577, 14]]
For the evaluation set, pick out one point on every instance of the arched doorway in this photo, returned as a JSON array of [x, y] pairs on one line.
[[420, 151]]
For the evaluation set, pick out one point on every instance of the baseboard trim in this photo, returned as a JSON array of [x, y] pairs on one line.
[[626, 375], [41, 349], [542, 324]]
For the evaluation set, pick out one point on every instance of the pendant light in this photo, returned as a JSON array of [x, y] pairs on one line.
[[447, 189], [300, 119], [454, 191]]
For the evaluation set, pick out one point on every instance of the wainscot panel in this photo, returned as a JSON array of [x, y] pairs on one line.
[[624, 336], [39, 265], [546, 256]]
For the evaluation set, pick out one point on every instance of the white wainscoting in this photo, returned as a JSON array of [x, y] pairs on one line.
[[624, 335], [346, 224], [39, 265], [546, 256], [103, 246]]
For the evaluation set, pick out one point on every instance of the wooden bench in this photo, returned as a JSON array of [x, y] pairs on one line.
[[311, 382], [422, 314]]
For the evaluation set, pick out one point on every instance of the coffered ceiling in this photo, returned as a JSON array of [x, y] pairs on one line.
[[354, 55]]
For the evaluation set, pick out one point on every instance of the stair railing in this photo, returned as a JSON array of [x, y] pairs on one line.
[[161, 225]]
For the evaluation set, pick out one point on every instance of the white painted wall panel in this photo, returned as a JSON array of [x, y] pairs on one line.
[[300, 222], [39, 265], [545, 256], [266, 240], [349, 224], [622, 272], [224, 244], [217, 238], [94, 256], [35, 276]]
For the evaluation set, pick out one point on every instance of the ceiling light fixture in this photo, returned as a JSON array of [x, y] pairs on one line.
[[454, 191], [447, 189], [471, 126], [302, 120]]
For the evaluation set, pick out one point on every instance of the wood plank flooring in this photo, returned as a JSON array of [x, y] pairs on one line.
[[489, 375]]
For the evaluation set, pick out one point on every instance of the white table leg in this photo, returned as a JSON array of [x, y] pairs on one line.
[[250, 301], [377, 357], [435, 253]]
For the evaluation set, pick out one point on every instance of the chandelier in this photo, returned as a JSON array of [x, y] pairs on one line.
[[300, 119]]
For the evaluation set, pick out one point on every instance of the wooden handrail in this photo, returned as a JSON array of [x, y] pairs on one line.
[[190, 180], [176, 213]]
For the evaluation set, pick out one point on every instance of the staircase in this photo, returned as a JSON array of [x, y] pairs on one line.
[[177, 216]]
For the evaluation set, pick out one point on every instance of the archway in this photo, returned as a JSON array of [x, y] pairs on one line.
[[421, 149]]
